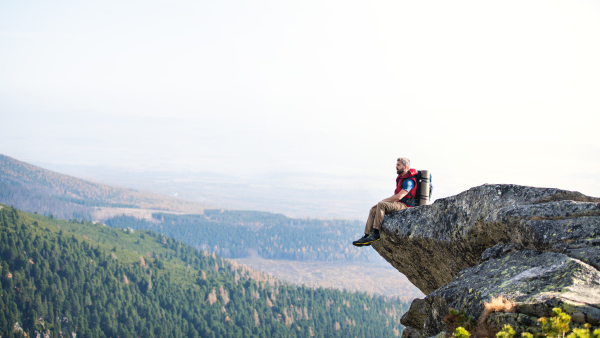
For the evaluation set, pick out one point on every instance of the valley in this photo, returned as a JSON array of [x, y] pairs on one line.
[[316, 253], [358, 277]]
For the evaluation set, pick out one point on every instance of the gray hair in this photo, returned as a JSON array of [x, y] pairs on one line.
[[405, 161]]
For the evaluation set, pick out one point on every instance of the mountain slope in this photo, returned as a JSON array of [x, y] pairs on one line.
[[33, 188], [88, 279]]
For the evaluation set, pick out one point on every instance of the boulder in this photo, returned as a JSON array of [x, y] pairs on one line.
[[538, 247], [410, 332], [430, 244], [416, 315], [535, 281]]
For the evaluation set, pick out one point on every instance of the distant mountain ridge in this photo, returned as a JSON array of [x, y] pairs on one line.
[[32, 188]]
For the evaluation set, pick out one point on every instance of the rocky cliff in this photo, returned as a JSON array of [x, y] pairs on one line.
[[538, 247]]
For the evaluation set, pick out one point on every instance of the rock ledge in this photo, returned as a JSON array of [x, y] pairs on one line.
[[539, 247]]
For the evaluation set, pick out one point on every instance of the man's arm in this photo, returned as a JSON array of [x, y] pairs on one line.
[[396, 197]]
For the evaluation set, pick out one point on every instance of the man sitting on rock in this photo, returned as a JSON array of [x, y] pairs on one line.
[[404, 197]]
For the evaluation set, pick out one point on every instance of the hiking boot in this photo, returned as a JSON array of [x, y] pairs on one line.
[[362, 241], [373, 237], [367, 240]]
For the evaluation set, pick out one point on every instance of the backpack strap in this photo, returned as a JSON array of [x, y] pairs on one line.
[[408, 201]]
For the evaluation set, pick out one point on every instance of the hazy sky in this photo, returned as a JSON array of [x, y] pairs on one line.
[[476, 91]]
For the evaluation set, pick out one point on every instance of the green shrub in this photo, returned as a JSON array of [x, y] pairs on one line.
[[556, 326], [506, 332], [584, 333], [460, 332], [456, 319]]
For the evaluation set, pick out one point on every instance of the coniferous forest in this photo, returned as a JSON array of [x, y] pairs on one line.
[[240, 234], [61, 278]]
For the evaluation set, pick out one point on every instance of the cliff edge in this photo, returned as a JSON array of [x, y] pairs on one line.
[[538, 247]]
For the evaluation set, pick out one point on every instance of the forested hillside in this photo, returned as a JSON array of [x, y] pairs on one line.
[[240, 234], [232, 234], [62, 277], [33, 188]]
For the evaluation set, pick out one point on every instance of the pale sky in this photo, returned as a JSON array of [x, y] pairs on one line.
[[475, 91]]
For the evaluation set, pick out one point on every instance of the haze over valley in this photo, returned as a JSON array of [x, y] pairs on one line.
[[259, 239], [296, 194]]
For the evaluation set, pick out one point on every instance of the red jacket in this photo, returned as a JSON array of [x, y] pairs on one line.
[[410, 175]]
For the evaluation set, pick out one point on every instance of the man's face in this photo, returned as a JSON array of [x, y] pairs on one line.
[[399, 168]]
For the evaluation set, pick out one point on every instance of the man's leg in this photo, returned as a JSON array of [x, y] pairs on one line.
[[368, 228], [375, 219], [370, 220], [386, 208]]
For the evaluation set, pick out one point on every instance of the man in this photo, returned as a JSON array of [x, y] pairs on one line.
[[404, 197]]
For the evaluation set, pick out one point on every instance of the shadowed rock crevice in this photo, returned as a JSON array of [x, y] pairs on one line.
[[539, 247]]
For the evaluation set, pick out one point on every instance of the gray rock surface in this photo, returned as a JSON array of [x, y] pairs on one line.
[[416, 315], [535, 281], [499, 250], [431, 244], [410, 332], [538, 247]]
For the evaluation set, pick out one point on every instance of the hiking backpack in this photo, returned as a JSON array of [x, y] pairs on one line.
[[420, 180]]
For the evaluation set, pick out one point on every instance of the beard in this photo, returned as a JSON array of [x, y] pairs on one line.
[[399, 172]]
